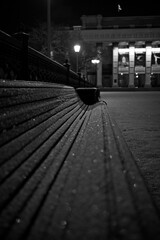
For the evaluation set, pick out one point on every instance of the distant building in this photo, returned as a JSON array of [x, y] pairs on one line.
[[128, 47]]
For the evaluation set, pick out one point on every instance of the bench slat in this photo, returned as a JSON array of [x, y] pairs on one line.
[[37, 177], [16, 130], [47, 127]]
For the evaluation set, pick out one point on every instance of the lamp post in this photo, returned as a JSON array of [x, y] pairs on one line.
[[95, 62], [49, 28], [77, 49]]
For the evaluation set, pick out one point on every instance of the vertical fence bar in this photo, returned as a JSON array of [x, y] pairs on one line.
[[23, 37], [67, 65]]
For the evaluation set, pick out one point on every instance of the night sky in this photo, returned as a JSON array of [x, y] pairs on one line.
[[18, 14]]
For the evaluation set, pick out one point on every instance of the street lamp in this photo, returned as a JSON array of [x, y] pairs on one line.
[[77, 49], [95, 62], [49, 28]]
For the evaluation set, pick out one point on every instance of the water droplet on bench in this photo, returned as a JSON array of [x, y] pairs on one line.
[[94, 160], [74, 191], [63, 224], [124, 171], [18, 220]]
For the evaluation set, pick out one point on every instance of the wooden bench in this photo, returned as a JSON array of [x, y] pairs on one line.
[[65, 169]]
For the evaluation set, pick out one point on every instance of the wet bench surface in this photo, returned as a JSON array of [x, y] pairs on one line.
[[66, 171]]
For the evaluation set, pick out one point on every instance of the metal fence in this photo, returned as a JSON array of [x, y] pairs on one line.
[[19, 61]]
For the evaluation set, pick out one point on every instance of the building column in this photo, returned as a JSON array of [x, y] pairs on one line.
[[99, 20], [148, 65], [115, 65], [131, 64]]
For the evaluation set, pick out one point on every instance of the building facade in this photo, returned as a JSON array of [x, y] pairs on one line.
[[128, 49]]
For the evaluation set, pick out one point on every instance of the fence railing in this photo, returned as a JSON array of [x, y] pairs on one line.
[[19, 61]]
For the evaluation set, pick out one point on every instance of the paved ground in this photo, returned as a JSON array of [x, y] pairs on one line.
[[138, 116]]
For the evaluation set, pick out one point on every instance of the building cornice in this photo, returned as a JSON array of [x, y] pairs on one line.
[[100, 22], [116, 35]]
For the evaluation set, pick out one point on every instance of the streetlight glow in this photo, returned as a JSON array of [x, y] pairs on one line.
[[77, 48], [95, 61]]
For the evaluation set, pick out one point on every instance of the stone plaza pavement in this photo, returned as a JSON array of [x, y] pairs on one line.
[[138, 116]]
